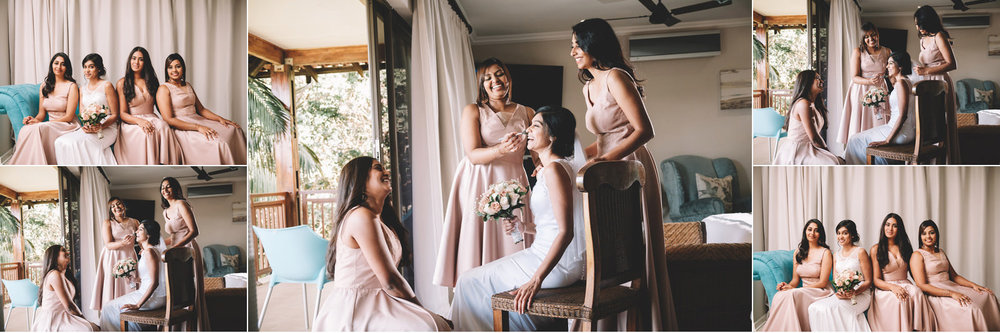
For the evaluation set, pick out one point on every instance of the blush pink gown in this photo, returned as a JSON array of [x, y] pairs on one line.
[[982, 315], [178, 229], [789, 309], [468, 242], [36, 142], [106, 286], [135, 146], [52, 316], [856, 117], [357, 301], [930, 56], [890, 314], [797, 149], [228, 149], [607, 120]]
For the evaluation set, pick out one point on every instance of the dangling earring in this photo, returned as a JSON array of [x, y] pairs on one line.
[[363, 197]]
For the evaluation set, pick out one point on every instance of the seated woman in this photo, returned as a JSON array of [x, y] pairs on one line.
[[152, 293], [556, 258], [57, 99], [845, 310], [369, 293], [898, 305], [91, 144], [789, 309], [804, 144], [958, 304], [143, 138], [56, 310], [901, 128], [205, 137]]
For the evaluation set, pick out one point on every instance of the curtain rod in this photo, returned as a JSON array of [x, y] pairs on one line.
[[458, 10]]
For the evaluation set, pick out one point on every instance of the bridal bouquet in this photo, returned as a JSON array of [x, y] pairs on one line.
[[499, 203], [846, 281], [124, 268], [93, 114]]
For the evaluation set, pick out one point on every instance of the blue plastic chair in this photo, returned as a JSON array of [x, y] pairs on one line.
[[23, 294], [768, 123], [296, 255]]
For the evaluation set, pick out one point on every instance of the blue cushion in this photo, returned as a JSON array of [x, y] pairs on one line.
[[772, 267], [213, 260], [965, 93], [677, 178]]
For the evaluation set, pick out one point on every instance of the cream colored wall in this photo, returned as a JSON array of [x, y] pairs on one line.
[[682, 97]]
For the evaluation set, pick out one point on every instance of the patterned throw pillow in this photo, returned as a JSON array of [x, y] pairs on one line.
[[721, 188], [232, 260], [984, 96]]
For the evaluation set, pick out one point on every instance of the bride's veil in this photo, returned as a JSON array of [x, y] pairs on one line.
[[577, 249]]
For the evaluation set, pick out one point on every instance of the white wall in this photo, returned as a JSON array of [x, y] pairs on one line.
[[682, 97]]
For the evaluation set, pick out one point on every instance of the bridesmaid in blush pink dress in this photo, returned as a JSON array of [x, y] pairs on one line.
[[181, 226], [205, 137], [119, 242], [56, 310], [789, 310], [494, 150], [58, 99], [616, 114], [369, 293], [144, 138], [868, 63], [898, 305], [938, 59], [958, 304], [805, 144]]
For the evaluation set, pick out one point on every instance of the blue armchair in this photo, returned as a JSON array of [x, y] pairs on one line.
[[681, 187], [18, 101], [966, 94], [213, 260], [772, 267]]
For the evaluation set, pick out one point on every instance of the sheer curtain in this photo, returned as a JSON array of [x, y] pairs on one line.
[[845, 34], [94, 195], [210, 35], [962, 200], [443, 82]]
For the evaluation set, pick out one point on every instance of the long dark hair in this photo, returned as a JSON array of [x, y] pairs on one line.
[[147, 73], [482, 98], [868, 26], [852, 229], [98, 63], [905, 249], [928, 19], [803, 88], [50, 262], [50, 78], [111, 216], [153, 230], [804, 243], [178, 193], [937, 240], [184, 68], [561, 124], [596, 37], [351, 194]]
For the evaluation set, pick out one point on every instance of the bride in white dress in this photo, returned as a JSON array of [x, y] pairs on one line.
[[84, 146], [845, 310], [152, 292], [556, 258], [902, 128]]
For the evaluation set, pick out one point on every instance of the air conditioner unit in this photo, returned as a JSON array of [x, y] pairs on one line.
[[209, 190], [675, 45], [972, 21]]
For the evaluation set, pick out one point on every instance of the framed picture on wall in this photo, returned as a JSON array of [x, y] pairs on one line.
[[239, 212], [734, 87], [993, 45]]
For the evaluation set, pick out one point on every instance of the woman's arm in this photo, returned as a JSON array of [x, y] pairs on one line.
[[941, 39], [71, 102], [903, 99], [109, 239], [185, 211], [126, 114], [920, 279], [363, 227], [112, 97], [154, 268], [824, 272], [803, 112], [866, 271], [475, 150], [962, 281], [856, 68], [626, 94], [208, 114], [166, 107], [54, 282]]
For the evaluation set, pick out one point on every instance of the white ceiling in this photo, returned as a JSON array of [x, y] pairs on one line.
[[122, 176], [780, 7], [30, 178], [308, 24], [798, 7]]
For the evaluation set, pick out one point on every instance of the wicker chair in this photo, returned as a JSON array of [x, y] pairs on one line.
[[932, 128], [612, 202], [181, 290]]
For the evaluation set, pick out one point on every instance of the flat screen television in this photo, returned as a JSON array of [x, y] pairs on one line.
[[536, 85]]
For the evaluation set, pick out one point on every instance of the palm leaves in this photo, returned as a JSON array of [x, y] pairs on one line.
[[9, 228], [269, 120]]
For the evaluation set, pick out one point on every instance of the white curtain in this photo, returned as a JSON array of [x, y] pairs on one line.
[[210, 35], [443, 82], [94, 195], [961, 200], [845, 35]]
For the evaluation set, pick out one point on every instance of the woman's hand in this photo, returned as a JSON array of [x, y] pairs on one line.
[[130, 307], [961, 298], [878, 143], [30, 120], [874, 81], [920, 70], [509, 225], [209, 133], [982, 289], [91, 129], [129, 240], [899, 292], [146, 125], [525, 294], [510, 143], [845, 294], [228, 123]]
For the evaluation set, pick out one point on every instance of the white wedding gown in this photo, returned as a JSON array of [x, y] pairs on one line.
[[858, 143], [835, 314], [471, 310], [82, 148], [111, 311]]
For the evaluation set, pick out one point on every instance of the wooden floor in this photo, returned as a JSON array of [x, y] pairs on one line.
[[284, 313]]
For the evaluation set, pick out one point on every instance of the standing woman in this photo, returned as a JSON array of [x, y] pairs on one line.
[[845, 310], [119, 242], [813, 262], [152, 293], [958, 304], [806, 121], [616, 114], [898, 305], [205, 137], [58, 98], [868, 65], [56, 310], [85, 146], [902, 128], [144, 137], [181, 226], [938, 59], [494, 147]]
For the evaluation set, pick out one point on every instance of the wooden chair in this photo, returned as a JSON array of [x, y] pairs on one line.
[[616, 244], [932, 137], [181, 291]]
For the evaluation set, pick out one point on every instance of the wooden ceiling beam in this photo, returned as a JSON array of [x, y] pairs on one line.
[[7, 192], [264, 49], [785, 20], [329, 55], [40, 195], [757, 18]]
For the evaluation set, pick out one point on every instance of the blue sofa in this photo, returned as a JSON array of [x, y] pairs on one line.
[[772, 267], [213, 260], [18, 101], [966, 95], [677, 176]]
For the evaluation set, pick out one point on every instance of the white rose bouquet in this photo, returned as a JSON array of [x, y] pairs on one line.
[[847, 281], [499, 203], [93, 114], [124, 268]]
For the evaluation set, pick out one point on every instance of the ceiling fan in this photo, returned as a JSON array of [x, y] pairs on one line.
[[659, 14], [207, 175], [964, 5]]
